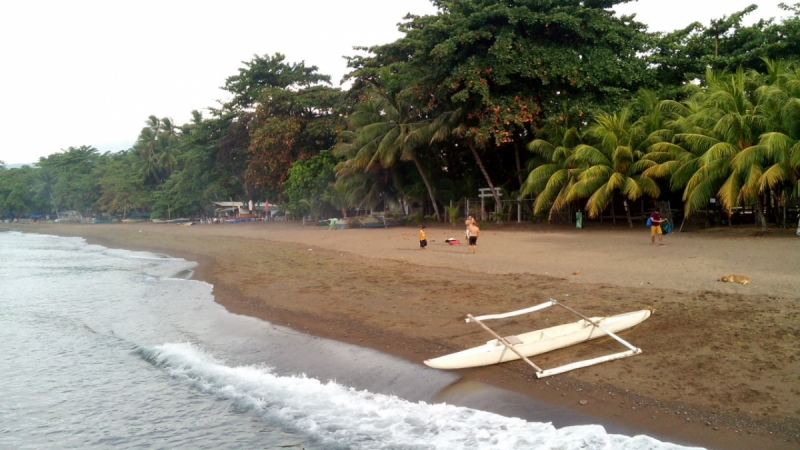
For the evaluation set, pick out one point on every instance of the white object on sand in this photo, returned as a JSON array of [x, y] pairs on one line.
[[524, 345]]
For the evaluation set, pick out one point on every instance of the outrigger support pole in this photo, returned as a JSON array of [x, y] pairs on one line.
[[540, 373], [608, 332], [503, 341], [544, 305]]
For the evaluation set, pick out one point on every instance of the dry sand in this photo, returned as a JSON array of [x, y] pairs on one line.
[[719, 365]]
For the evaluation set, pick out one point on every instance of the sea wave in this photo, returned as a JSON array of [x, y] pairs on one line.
[[335, 416]]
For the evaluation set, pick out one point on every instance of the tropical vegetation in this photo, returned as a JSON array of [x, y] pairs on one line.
[[554, 105]]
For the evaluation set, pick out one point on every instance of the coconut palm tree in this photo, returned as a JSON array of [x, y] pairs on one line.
[[157, 149], [168, 150], [44, 181], [389, 127], [773, 165], [147, 156], [729, 121], [453, 124], [613, 163], [313, 206], [674, 162], [342, 196], [375, 183], [554, 171]]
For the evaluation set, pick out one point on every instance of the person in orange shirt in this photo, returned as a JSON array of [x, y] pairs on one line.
[[423, 242]]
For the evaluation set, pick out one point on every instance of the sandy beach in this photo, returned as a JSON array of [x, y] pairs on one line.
[[719, 365]]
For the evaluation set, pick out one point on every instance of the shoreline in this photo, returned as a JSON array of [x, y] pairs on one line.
[[413, 308]]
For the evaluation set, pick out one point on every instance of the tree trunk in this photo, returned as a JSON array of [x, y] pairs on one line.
[[630, 221], [427, 185], [784, 196], [519, 164], [760, 213], [519, 178], [485, 174]]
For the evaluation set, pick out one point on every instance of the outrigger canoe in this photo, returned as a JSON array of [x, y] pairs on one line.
[[522, 346]]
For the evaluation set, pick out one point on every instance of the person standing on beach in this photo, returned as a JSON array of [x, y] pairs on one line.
[[423, 242], [474, 232], [470, 221], [655, 228]]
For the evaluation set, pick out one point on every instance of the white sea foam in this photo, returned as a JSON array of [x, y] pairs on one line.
[[331, 414]]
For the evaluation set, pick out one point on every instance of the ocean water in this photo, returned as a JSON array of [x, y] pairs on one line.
[[104, 348]]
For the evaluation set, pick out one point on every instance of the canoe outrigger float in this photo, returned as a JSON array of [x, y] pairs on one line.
[[511, 348]]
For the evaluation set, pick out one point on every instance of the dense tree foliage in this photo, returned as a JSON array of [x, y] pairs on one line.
[[290, 126], [607, 110], [496, 72], [308, 181]]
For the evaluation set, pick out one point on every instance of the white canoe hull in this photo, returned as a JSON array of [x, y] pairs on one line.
[[538, 342]]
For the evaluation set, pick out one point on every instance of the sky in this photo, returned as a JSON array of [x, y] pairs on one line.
[[90, 72]]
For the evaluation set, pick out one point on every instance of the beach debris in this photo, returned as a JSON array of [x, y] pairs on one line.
[[577, 272], [583, 402]]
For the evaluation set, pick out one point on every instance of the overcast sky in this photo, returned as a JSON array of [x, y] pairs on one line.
[[90, 72]]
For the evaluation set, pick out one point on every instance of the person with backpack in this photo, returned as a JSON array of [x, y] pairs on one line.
[[655, 221]]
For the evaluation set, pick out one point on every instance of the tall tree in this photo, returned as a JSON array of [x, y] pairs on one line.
[[122, 189], [76, 185], [554, 171], [389, 127], [269, 72], [500, 70], [773, 164], [157, 147], [287, 113], [613, 163], [16, 197], [730, 122], [309, 180], [724, 44], [291, 125]]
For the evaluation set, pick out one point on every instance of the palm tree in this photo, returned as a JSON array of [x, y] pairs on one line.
[[374, 182], [554, 172], [613, 164], [313, 206], [389, 127], [454, 124], [147, 156], [773, 165], [342, 196], [729, 122], [44, 186], [674, 162], [157, 148], [168, 150]]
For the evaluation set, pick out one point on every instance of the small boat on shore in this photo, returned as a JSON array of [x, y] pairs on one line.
[[522, 346], [379, 222]]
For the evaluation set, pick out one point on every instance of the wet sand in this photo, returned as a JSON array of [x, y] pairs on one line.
[[719, 365]]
